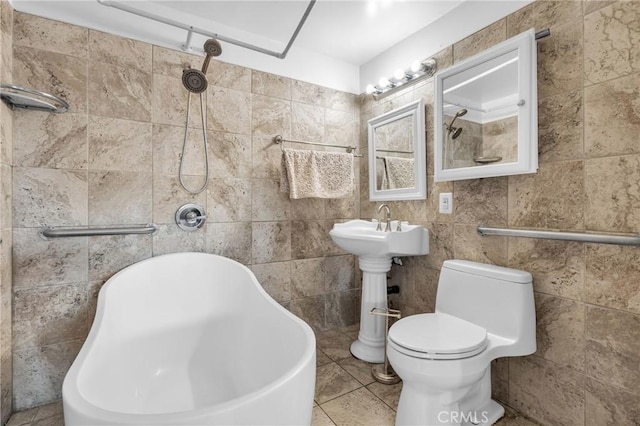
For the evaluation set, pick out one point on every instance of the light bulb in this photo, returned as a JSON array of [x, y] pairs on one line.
[[370, 89], [399, 74], [384, 82], [416, 66]]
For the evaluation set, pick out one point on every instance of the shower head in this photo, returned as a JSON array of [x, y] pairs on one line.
[[194, 80], [460, 113], [456, 132], [211, 48]]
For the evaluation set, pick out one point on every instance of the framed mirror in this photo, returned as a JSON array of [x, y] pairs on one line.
[[486, 113], [397, 154]]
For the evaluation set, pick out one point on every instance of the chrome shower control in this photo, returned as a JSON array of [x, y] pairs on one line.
[[190, 217]]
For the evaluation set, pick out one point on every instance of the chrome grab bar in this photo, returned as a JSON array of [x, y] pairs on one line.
[[91, 232], [583, 237]]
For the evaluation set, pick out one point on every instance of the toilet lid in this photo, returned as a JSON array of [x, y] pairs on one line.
[[438, 336]]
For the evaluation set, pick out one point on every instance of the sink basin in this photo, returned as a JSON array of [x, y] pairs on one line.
[[360, 237]]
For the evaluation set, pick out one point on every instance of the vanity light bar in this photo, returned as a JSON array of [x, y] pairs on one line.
[[402, 78]]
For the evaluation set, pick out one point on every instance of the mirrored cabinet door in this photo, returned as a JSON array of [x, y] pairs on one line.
[[486, 113]]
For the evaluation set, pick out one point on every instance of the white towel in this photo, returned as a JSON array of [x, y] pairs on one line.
[[316, 174], [398, 173]]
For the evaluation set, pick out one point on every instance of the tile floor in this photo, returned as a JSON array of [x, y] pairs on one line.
[[346, 394]]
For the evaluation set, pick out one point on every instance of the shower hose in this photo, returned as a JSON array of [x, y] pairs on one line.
[[206, 146]]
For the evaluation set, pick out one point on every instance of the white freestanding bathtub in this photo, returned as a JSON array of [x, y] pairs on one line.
[[191, 339]]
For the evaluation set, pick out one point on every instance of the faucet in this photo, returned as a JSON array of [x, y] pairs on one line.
[[388, 227]]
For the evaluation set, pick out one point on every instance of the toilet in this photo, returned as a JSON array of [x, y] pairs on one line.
[[483, 312]]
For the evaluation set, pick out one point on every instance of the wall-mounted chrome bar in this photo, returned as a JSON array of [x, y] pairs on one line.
[[583, 237], [543, 33], [191, 29], [278, 139], [391, 150], [91, 232]]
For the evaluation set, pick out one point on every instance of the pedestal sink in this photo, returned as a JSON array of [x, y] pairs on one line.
[[375, 249]]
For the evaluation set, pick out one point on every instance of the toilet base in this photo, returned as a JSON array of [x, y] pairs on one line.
[[488, 415]]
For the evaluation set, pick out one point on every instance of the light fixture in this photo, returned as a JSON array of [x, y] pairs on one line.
[[402, 77]]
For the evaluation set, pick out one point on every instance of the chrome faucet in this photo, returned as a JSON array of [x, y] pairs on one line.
[[388, 227]]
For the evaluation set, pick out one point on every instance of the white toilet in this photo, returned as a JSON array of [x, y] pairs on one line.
[[483, 312]]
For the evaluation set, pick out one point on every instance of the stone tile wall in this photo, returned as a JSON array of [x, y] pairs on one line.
[[586, 370], [113, 159], [6, 143]]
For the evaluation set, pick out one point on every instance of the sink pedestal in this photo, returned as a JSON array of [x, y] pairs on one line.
[[370, 344]]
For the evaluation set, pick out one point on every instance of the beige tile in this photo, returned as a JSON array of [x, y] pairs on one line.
[[49, 197], [110, 254], [340, 128], [468, 245], [340, 101], [308, 93], [557, 267], [307, 208], [545, 391], [224, 74], [342, 308], [270, 116], [228, 110], [272, 85], [334, 344], [481, 201], [593, 5], [338, 272], [229, 200], [169, 103], [500, 379], [543, 14], [47, 34], [118, 198], [229, 155], [307, 278], [360, 370], [57, 420], [613, 345], [124, 52], [38, 262], [560, 127], [320, 418], [39, 373], [6, 133], [612, 42], [434, 189], [271, 241], [412, 210], [47, 315], [321, 358], [57, 74], [307, 122], [612, 118], [171, 63], [341, 208], [613, 277], [167, 151], [232, 240], [560, 62], [441, 246], [275, 278], [23, 417], [560, 326], [551, 198], [311, 310], [612, 195], [268, 202], [171, 239], [480, 41], [359, 407], [309, 238], [50, 140], [266, 158], [426, 286], [119, 92], [169, 195], [513, 419], [608, 405], [119, 145], [389, 394], [331, 382]]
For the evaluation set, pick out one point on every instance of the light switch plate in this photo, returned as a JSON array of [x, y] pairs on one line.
[[446, 203]]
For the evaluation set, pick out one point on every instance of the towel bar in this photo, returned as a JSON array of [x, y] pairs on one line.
[[278, 139], [91, 232], [625, 240]]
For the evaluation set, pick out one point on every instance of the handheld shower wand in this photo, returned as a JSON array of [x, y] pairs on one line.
[[195, 81], [455, 130]]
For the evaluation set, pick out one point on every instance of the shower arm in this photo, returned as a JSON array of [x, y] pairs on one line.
[[191, 29]]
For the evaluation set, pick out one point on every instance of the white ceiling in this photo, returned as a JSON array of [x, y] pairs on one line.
[[339, 36]]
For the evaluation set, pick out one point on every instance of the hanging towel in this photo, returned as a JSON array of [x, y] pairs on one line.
[[316, 174], [398, 173]]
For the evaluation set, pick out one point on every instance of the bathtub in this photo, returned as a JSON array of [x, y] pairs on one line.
[[191, 339]]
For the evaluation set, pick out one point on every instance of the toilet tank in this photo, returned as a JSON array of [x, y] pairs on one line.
[[496, 298]]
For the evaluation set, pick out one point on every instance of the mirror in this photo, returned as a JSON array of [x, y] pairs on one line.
[[397, 155], [486, 113]]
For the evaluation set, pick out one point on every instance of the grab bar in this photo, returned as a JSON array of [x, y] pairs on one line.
[[92, 232], [583, 237]]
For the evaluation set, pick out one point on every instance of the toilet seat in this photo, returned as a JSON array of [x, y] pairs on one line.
[[437, 336]]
